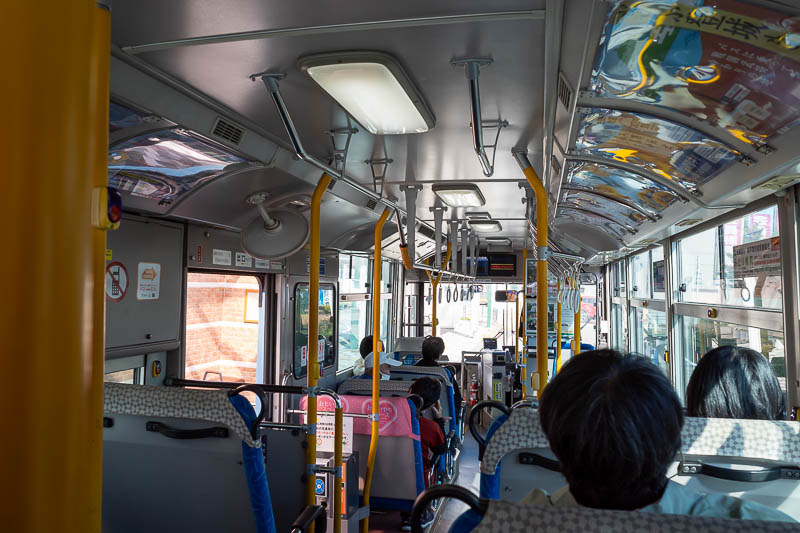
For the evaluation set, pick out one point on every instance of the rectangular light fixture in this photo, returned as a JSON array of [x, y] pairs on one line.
[[485, 226], [477, 215], [498, 241], [459, 195], [373, 88]]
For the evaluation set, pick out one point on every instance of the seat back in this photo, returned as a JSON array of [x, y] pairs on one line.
[[208, 484], [398, 475], [447, 397], [508, 517], [363, 387], [716, 441]]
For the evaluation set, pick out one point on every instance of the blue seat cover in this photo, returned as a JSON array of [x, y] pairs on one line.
[[490, 485], [255, 472]]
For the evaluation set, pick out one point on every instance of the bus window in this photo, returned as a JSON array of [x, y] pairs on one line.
[[130, 376], [353, 308], [222, 327], [327, 327]]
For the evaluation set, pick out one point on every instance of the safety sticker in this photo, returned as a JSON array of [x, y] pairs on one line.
[[262, 263], [116, 281], [221, 257], [149, 281], [304, 356], [199, 254], [243, 260], [109, 254]]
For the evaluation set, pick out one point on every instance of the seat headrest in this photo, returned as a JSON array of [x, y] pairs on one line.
[[176, 402], [508, 517], [364, 386], [429, 370], [748, 439]]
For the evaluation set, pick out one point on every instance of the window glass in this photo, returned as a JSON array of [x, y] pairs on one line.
[[699, 267], [222, 324], [640, 275], [386, 323], [699, 335], [649, 335], [618, 278], [352, 328], [353, 274], [752, 273], [386, 276], [659, 273], [618, 327], [327, 323], [130, 375]]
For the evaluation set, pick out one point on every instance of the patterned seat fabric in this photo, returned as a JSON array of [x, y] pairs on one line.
[[750, 439], [364, 387], [507, 517], [175, 402]]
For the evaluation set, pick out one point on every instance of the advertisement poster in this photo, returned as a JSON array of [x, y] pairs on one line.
[[758, 258]]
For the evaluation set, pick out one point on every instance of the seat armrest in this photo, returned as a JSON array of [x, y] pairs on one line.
[[312, 514]]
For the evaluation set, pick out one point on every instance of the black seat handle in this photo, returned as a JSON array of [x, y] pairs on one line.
[[473, 421], [312, 514], [444, 491], [528, 458], [262, 396], [694, 468], [217, 432]]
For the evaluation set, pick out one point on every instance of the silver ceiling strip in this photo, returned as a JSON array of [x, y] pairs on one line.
[[411, 218], [554, 20], [303, 31], [438, 215]]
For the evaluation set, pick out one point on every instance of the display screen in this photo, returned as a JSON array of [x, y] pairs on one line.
[[724, 62], [504, 265], [676, 153]]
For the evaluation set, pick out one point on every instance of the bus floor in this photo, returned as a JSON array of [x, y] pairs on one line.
[[468, 476]]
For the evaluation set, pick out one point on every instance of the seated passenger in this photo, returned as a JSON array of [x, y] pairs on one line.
[[363, 368], [732, 382], [424, 392], [614, 423], [432, 350]]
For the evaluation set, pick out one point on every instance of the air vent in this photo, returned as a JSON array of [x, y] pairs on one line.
[[777, 183], [372, 204], [564, 91], [556, 166], [688, 222], [226, 130]]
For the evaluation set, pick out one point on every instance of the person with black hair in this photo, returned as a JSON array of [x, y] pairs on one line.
[[424, 392], [614, 423], [432, 350], [734, 382]]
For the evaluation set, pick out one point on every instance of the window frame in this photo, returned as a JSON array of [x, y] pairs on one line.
[[335, 299]]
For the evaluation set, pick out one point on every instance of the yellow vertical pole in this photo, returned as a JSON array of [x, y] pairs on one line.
[[577, 327], [541, 268], [558, 331], [523, 358], [312, 371], [50, 345], [435, 285], [376, 337]]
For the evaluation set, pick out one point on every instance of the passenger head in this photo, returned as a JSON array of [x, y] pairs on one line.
[[732, 382], [365, 348], [432, 348], [614, 422], [426, 388]]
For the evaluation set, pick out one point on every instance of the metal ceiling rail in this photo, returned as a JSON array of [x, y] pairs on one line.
[[304, 31], [612, 198]]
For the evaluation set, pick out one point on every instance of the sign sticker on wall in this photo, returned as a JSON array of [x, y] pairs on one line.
[[221, 257], [262, 263], [243, 260], [116, 281], [304, 356], [148, 281]]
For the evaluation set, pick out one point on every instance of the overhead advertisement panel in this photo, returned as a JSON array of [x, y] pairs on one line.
[[672, 151], [565, 212], [166, 164], [621, 184], [619, 212], [729, 63]]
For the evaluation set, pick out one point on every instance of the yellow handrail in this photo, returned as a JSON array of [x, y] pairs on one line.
[[434, 286], [541, 270], [523, 362], [577, 326], [558, 331], [312, 370], [337, 463], [376, 338]]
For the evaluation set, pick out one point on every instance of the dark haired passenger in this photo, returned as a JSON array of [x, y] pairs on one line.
[[431, 432], [614, 423], [432, 350], [733, 382]]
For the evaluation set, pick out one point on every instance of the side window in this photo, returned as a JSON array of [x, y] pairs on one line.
[[133, 376], [223, 317], [354, 308], [327, 327]]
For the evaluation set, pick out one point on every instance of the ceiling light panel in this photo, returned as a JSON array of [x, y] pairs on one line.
[[461, 195], [498, 241], [373, 88], [485, 226]]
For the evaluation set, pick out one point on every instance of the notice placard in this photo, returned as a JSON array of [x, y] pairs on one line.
[[757, 258], [148, 281], [326, 431]]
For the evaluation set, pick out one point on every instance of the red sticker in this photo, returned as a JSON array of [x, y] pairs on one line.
[[116, 281]]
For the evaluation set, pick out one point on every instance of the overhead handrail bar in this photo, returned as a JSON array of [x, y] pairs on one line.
[[337, 457], [523, 359], [312, 372], [434, 286], [542, 255], [276, 389], [576, 336], [558, 329], [472, 68], [376, 339]]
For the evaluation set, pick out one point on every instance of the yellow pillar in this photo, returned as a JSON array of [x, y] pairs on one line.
[[558, 331], [55, 57], [577, 326]]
